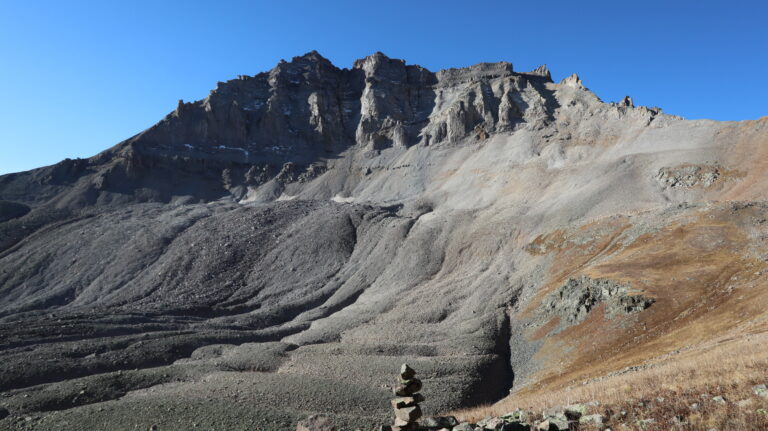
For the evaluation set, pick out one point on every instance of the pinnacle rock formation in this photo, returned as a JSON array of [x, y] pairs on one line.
[[288, 240]]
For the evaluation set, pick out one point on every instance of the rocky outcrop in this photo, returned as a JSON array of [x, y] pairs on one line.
[[627, 102], [687, 176], [573, 301]]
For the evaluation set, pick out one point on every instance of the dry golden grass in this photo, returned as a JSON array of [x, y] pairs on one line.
[[667, 387]]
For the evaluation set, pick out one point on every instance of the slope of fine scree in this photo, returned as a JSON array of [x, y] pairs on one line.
[[148, 286]]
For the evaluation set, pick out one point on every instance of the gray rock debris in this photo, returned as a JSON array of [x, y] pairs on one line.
[[316, 423], [687, 176]]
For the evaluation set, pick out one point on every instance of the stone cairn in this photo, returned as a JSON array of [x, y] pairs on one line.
[[407, 410]]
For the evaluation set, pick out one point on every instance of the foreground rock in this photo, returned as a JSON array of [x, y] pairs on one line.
[[407, 409]]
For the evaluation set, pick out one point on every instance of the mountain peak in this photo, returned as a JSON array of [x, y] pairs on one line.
[[310, 56], [376, 61]]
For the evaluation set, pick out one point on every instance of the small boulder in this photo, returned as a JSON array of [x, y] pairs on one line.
[[464, 426], [718, 399], [575, 411], [481, 423], [4, 413], [316, 423], [515, 426], [400, 423], [407, 401], [408, 388], [493, 424], [408, 414], [760, 390], [406, 372], [440, 422], [592, 419], [553, 423], [516, 416]]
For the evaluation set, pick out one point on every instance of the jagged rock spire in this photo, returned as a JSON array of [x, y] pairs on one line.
[[542, 71], [627, 102], [573, 81]]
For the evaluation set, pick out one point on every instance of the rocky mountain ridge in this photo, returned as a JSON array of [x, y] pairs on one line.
[[254, 136]]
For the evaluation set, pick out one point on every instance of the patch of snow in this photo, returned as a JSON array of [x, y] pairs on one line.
[[285, 197], [342, 200], [245, 152], [189, 146]]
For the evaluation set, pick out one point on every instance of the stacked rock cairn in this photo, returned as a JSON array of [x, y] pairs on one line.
[[407, 410]]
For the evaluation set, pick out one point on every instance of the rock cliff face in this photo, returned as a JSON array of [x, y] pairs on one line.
[[312, 222], [284, 126]]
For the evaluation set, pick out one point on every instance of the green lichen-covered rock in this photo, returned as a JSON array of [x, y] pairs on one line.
[[592, 419], [440, 422], [515, 426], [575, 411], [516, 416], [552, 424], [760, 390]]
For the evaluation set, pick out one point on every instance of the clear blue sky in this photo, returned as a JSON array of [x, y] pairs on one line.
[[79, 76]]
